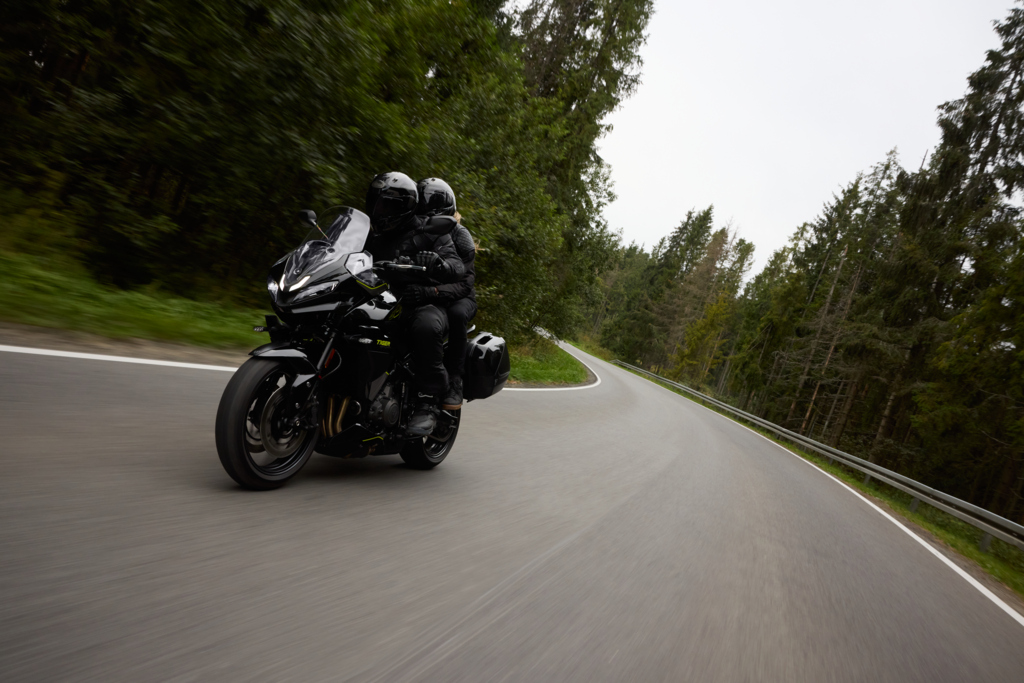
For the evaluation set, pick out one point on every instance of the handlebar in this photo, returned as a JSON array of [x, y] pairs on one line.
[[391, 265]]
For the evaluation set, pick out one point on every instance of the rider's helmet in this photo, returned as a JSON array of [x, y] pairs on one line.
[[391, 201], [436, 198]]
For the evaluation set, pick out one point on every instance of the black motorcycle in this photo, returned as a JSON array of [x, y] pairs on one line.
[[336, 377]]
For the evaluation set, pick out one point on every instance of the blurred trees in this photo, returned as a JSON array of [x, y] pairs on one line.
[[892, 326], [173, 142]]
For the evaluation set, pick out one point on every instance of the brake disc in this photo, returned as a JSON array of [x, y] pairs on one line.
[[280, 441]]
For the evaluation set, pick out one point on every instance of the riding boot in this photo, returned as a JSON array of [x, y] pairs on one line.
[[453, 397], [425, 417]]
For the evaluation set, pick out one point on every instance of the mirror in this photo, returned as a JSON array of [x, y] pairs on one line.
[[439, 225], [308, 216]]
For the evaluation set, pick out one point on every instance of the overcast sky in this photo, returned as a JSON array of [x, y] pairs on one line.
[[765, 109]]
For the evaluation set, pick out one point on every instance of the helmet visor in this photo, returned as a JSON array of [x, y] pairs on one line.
[[389, 210]]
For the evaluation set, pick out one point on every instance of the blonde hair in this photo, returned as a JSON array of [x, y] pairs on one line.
[[476, 243]]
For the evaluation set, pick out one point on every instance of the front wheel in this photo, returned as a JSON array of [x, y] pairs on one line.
[[428, 452], [259, 447]]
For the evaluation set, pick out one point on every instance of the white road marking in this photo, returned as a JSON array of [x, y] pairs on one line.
[[948, 562], [585, 386], [116, 359], [221, 368]]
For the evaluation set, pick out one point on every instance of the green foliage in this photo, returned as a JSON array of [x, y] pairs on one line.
[[176, 140], [701, 349], [540, 361], [654, 300], [582, 57], [588, 344], [59, 293]]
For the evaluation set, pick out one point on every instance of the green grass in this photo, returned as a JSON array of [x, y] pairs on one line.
[[1005, 562], [53, 292], [542, 362], [589, 344], [49, 291]]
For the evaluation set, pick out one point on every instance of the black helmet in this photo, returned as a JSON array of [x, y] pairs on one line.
[[390, 201], [436, 198]]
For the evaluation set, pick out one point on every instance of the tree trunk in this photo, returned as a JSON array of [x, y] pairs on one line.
[[835, 340], [845, 414], [748, 400], [724, 376], [711, 358], [832, 410], [817, 335], [884, 424], [1004, 502], [810, 407], [1018, 498]]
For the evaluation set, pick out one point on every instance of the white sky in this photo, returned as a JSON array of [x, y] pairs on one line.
[[765, 109]]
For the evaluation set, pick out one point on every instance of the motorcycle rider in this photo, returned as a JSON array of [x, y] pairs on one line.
[[391, 202], [458, 299]]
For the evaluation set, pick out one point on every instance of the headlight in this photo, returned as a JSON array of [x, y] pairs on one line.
[[298, 285], [272, 288], [315, 291]]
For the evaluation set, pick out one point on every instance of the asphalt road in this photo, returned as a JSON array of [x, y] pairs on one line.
[[618, 533]]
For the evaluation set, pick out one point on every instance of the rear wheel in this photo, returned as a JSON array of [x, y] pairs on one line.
[[259, 446], [428, 452]]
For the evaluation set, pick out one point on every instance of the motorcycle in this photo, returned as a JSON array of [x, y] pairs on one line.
[[336, 377]]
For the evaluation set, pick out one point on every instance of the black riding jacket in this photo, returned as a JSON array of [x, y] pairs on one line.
[[464, 288], [409, 241]]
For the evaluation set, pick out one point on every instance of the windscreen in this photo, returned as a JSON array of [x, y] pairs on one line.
[[323, 247]]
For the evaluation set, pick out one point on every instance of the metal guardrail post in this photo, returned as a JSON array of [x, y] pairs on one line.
[[988, 522]]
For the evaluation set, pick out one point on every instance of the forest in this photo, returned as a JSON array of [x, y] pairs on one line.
[[170, 144], [891, 326]]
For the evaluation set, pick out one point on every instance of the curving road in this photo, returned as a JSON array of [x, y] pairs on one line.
[[618, 533]]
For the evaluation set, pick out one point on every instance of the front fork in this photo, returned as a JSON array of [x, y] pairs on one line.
[[303, 396]]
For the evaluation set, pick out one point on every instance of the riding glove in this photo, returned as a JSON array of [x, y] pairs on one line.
[[427, 259], [418, 295]]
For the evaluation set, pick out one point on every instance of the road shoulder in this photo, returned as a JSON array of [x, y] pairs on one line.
[[13, 334]]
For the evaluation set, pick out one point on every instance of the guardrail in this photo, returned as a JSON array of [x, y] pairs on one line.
[[990, 523]]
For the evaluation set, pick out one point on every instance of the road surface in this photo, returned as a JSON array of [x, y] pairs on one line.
[[617, 533]]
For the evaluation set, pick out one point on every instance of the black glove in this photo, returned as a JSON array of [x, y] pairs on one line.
[[417, 295], [443, 271], [427, 259]]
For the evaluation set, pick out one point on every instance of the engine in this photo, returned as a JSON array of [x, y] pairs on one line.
[[386, 409]]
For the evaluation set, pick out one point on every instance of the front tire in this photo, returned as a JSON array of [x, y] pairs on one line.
[[428, 452], [257, 448]]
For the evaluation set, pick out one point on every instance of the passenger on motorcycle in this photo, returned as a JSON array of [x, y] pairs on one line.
[[391, 203], [458, 299]]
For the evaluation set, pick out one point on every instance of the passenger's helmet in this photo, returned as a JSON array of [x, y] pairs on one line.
[[391, 201], [436, 198]]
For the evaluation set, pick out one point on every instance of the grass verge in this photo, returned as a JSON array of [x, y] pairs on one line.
[[1003, 561], [541, 362], [49, 292], [589, 344], [58, 293]]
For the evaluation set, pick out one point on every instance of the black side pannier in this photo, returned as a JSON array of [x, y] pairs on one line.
[[487, 366]]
